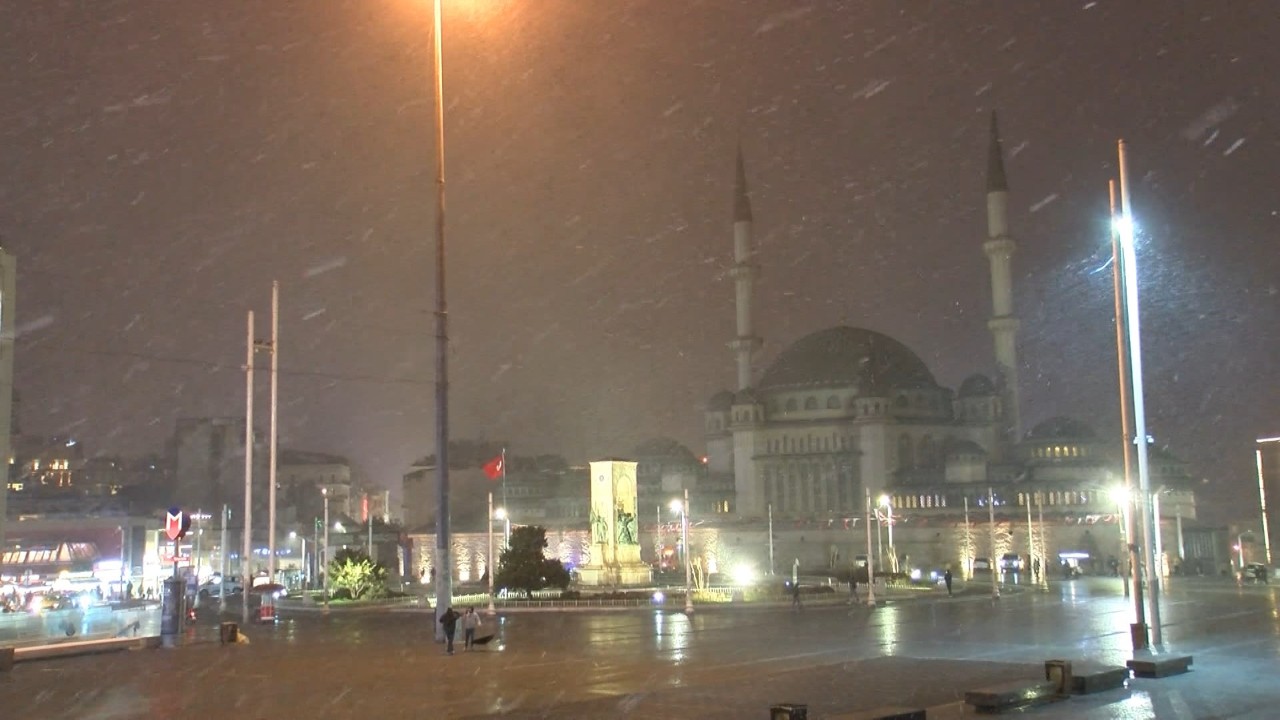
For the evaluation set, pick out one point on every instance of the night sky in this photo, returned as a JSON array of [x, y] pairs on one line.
[[164, 161]]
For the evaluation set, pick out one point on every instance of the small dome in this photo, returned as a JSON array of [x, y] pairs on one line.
[[977, 385], [747, 396], [845, 356], [957, 448], [665, 449], [720, 402], [1061, 428]]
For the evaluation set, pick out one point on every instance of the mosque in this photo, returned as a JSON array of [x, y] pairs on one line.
[[846, 418]]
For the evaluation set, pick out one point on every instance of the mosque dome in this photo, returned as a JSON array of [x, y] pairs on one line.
[[977, 385], [666, 449], [720, 402], [846, 356], [1061, 428]]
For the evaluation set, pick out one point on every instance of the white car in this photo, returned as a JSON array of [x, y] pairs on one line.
[[211, 587]]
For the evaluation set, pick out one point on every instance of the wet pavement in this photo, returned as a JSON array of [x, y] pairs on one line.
[[721, 663]]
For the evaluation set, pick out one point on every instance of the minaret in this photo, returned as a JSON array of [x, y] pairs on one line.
[[743, 273], [999, 248]]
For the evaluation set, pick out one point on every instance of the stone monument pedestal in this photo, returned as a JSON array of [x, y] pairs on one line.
[[615, 529]]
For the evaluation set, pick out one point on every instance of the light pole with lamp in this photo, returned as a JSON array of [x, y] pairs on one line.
[[1129, 272], [325, 568], [444, 563], [871, 573], [683, 509], [1262, 499], [489, 569], [505, 517], [1120, 496], [886, 502]]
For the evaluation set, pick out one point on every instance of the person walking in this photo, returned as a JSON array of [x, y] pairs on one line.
[[449, 620], [795, 597], [946, 579], [470, 621]]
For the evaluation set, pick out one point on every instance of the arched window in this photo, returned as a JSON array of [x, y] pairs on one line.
[[906, 459], [792, 405], [833, 403], [811, 403]]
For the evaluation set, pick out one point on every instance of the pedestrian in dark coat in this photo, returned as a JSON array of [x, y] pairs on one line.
[[449, 620], [946, 578]]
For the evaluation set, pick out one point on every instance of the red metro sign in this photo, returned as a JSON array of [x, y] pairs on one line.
[[176, 524]]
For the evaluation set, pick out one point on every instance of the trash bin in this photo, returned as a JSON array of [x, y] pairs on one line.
[[229, 633], [789, 711], [1059, 672]]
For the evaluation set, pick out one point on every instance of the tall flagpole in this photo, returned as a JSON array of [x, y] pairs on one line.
[[489, 569], [275, 394], [443, 558]]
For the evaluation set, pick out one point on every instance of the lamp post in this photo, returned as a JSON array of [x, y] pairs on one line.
[[871, 574], [1129, 272], [994, 561], [1120, 496], [325, 568], [887, 503], [505, 517], [489, 569], [683, 509], [1262, 499], [444, 564]]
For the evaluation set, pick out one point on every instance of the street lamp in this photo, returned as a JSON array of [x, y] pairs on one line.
[[683, 509], [489, 569], [1120, 496], [1262, 498], [1129, 273], [886, 502], [293, 535], [325, 567], [501, 514]]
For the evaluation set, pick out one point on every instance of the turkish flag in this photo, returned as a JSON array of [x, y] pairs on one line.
[[494, 468]]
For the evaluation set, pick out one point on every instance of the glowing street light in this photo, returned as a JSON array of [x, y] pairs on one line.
[[1124, 228], [683, 509], [505, 517], [886, 502]]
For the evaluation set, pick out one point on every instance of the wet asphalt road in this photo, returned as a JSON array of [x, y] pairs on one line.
[[721, 663]]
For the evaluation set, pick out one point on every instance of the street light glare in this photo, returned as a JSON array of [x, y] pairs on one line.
[[1123, 224], [884, 500], [500, 514], [1119, 495], [676, 506]]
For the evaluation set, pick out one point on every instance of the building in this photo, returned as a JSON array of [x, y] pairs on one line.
[[845, 418]]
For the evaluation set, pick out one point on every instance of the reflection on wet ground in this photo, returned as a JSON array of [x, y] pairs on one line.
[[720, 663]]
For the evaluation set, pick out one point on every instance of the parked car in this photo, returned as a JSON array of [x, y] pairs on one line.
[[210, 587], [982, 565], [1255, 572], [1011, 562]]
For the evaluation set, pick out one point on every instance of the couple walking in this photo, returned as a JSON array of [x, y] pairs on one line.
[[470, 621]]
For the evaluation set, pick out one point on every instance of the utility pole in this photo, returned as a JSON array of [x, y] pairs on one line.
[[871, 573], [274, 348], [246, 551]]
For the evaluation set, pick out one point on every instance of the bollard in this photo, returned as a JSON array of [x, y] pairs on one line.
[[229, 633], [1059, 673], [789, 711]]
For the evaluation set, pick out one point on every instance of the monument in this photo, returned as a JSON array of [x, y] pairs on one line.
[[615, 528]]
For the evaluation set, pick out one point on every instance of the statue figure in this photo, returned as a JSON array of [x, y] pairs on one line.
[[627, 534], [599, 528]]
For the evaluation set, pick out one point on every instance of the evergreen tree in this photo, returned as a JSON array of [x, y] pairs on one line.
[[524, 565]]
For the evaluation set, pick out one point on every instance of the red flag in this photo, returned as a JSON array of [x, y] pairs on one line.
[[494, 468]]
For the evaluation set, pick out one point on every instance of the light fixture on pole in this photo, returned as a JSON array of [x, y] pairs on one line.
[[1129, 270], [274, 348], [683, 509], [1120, 496], [871, 573], [246, 551], [325, 567], [994, 562], [489, 568], [501, 514], [887, 503], [443, 559], [1262, 498]]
